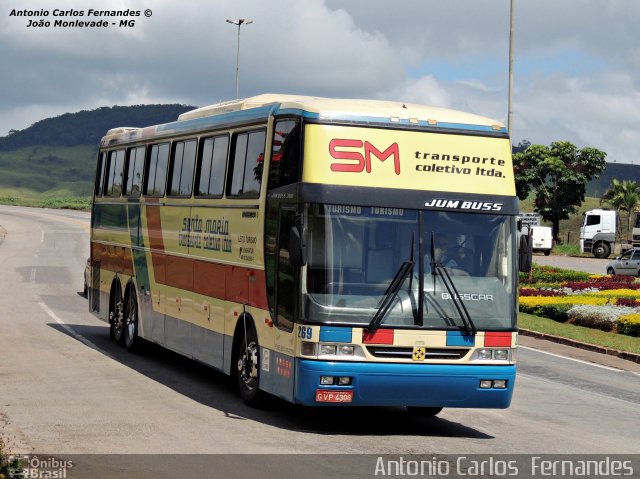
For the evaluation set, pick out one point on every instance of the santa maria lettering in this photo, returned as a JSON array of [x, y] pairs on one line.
[[206, 234]]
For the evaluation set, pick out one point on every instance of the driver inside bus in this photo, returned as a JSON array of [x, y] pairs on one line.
[[442, 249]]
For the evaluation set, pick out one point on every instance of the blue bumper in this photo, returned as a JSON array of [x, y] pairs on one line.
[[384, 384]]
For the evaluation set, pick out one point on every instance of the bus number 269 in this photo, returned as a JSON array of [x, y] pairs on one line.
[[305, 332]]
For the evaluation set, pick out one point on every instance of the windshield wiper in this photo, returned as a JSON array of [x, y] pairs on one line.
[[456, 298], [392, 291], [389, 295], [439, 269]]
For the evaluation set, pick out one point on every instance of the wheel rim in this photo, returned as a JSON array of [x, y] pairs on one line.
[[248, 366], [131, 319], [118, 321]]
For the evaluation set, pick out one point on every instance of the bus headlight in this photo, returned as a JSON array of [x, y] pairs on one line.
[[501, 354], [489, 354], [327, 349], [346, 350], [308, 349]]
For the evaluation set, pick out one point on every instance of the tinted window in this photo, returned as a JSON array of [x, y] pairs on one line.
[[182, 165], [115, 173], [248, 163], [212, 166], [102, 162], [636, 255], [157, 170], [285, 154], [134, 168]]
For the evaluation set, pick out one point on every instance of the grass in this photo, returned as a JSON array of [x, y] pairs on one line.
[[579, 333], [63, 202]]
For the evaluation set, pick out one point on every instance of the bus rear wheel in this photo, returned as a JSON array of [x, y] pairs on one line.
[[116, 317], [424, 411], [248, 369], [131, 338]]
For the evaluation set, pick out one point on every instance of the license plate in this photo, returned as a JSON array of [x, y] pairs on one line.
[[333, 396]]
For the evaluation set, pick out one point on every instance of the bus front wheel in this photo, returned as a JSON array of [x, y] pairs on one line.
[[248, 369]]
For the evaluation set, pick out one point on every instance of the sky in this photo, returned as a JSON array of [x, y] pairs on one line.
[[576, 62]]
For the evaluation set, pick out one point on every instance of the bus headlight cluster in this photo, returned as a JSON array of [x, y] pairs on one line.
[[335, 381], [489, 354], [493, 384], [323, 350]]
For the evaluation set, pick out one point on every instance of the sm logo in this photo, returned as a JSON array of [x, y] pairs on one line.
[[356, 155]]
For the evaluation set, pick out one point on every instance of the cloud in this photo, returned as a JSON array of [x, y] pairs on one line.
[[577, 70]]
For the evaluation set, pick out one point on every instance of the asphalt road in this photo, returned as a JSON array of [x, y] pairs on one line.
[[588, 265], [66, 389]]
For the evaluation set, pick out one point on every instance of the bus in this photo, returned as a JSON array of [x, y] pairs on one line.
[[329, 252]]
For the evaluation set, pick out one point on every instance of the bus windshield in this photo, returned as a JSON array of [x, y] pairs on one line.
[[354, 253]]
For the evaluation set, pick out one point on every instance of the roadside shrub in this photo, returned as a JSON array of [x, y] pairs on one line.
[[573, 299], [556, 312], [629, 325], [629, 302], [550, 274], [541, 292], [592, 319], [601, 285]]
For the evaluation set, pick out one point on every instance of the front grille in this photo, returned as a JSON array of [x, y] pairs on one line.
[[407, 353]]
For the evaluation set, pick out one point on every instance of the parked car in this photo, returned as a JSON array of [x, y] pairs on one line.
[[626, 264]]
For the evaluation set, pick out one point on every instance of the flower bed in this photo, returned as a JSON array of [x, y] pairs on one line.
[[609, 303]]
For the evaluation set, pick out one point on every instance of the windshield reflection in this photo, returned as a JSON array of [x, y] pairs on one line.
[[354, 253]]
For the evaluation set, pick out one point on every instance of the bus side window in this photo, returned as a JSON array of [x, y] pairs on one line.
[[99, 181], [115, 173], [285, 154], [156, 172], [248, 163], [133, 168], [183, 162], [212, 166]]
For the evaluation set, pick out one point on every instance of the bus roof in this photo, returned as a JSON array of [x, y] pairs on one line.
[[351, 110], [336, 108]]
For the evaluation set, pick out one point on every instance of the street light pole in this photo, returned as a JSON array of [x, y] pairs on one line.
[[239, 23], [510, 108]]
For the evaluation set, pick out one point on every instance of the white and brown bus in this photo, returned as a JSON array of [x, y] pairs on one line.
[[329, 252]]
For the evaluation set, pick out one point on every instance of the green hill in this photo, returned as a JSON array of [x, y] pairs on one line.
[[614, 170], [56, 157], [88, 127]]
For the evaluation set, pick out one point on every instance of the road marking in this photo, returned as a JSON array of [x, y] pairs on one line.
[[608, 368], [64, 326]]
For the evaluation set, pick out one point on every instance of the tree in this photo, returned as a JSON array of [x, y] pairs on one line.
[[558, 176], [622, 195]]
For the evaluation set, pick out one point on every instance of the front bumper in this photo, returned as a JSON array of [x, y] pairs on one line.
[[427, 385]]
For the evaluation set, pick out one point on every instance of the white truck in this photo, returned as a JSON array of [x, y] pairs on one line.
[[541, 239], [598, 232]]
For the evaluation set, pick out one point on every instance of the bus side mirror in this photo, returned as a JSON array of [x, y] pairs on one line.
[[298, 246], [525, 253]]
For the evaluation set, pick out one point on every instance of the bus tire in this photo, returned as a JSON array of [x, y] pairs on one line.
[[424, 411], [248, 368], [116, 314], [131, 338]]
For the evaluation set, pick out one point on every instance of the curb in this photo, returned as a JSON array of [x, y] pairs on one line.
[[578, 344]]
